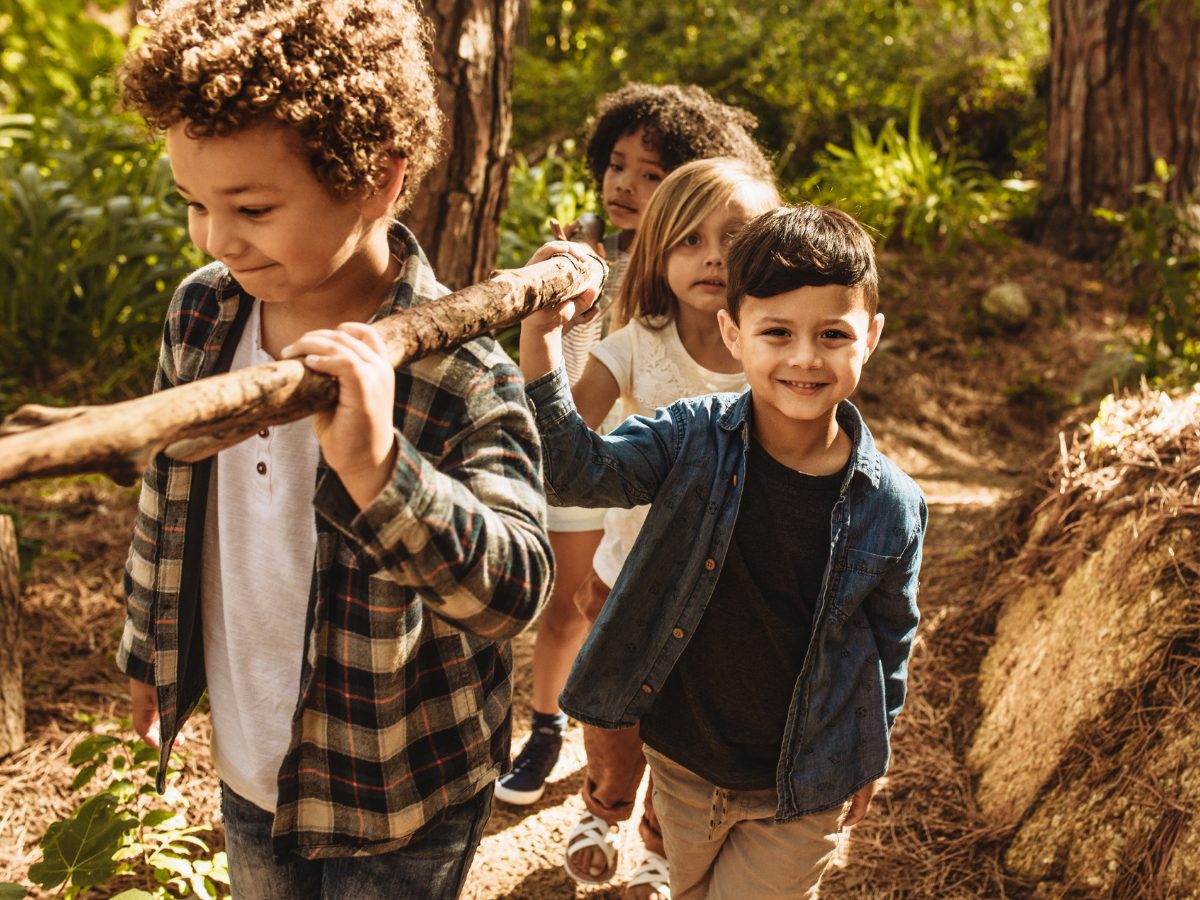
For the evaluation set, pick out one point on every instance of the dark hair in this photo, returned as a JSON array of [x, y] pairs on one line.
[[801, 246], [352, 77], [682, 123]]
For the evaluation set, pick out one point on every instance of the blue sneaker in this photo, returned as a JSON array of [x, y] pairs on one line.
[[526, 783]]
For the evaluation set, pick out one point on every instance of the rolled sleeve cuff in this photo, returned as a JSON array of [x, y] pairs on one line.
[[550, 397], [394, 518]]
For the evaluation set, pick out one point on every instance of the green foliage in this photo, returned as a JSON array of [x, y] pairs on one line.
[[902, 187], [1159, 252], [802, 69], [56, 55], [556, 187], [92, 241], [126, 829], [91, 246]]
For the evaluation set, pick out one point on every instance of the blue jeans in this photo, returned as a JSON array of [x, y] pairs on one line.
[[433, 866]]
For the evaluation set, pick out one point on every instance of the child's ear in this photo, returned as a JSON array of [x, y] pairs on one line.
[[731, 334], [874, 332], [383, 201]]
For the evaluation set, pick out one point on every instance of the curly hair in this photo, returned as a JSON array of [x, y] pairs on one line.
[[353, 78], [681, 122]]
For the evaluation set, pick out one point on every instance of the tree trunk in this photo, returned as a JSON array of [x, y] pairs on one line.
[[12, 696], [1124, 91], [457, 212]]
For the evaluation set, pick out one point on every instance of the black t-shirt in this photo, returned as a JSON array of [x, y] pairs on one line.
[[723, 708]]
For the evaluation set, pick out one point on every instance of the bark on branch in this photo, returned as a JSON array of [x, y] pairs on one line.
[[196, 420]]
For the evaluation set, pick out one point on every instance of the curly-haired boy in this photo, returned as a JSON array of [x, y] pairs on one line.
[[343, 590]]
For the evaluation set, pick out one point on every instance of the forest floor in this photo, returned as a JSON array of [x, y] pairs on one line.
[[968, 410]]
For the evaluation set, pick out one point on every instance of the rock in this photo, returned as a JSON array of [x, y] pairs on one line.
[[1006, 306]]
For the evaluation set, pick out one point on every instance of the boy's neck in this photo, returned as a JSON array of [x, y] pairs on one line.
[[701, 338], [812, 446], [355, 295]]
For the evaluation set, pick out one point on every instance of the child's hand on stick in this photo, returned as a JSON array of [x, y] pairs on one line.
[[356, 436]]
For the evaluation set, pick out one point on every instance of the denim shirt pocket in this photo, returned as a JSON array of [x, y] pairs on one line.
[[859, 574]]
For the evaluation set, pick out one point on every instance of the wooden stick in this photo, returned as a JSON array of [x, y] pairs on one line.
[[196, 420]]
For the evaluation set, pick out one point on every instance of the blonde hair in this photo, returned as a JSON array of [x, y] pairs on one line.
[[684, 199]]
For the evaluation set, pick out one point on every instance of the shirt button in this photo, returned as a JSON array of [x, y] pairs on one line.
[[261, 468], [677, 633], [735, 480], [264, 433], [710, 564], [646, 689]]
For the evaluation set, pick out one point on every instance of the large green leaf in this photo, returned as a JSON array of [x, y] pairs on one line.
[[81, 848]]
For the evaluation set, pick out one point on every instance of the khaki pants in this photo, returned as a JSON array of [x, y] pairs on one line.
[[725, 845]]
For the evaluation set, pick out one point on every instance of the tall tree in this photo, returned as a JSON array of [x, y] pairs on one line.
[[1124, 90], [456, 214]]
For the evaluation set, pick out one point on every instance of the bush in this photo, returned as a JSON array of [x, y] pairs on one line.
[[1160, 253], [803, 69], [902, 187], [91, 246], [125, 831], [92, 241], [558, 186]]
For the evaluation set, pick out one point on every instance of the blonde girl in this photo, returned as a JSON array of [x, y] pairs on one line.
[[668, 347]]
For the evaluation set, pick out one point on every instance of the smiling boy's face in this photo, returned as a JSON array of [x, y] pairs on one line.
[[255, 205], [803, 351], [634, 172]]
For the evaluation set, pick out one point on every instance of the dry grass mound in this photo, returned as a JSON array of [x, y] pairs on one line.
[[1089, 696]]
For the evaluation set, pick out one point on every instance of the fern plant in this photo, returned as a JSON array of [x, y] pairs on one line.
[[902, 187]]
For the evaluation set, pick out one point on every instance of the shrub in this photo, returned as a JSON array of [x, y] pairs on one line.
[[1159, 253], [902, 187], [125, 831], [91, 246], [557, 186]]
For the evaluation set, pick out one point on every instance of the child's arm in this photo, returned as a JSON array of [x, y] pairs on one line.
[[461, 520], [541, 332]]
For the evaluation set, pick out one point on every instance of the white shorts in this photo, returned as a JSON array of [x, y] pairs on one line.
[[574, 518]]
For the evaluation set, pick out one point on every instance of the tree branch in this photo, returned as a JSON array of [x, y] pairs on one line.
[[196, 420]]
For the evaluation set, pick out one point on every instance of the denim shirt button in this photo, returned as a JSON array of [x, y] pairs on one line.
[[676, 633], [733, 480], [710, 564], [646, 689]]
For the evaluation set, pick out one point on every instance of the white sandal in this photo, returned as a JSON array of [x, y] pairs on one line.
[[653, 871], [593, 832]]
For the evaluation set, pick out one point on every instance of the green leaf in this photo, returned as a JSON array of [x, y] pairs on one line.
[[11, 891], [134, 894], [91, 747], [81, 848], [83, 776], [157, 817]]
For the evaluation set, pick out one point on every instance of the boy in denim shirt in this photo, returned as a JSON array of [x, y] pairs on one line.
[[761, 629]]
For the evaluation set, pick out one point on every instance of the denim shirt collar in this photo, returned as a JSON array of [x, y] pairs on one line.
[[864, 455]]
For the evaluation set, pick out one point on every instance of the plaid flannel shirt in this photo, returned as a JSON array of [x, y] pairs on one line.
[[405, 693]]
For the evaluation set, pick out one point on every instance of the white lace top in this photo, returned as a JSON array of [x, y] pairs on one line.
[[652, 369]]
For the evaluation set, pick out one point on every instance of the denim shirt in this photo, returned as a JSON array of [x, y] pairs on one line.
[[689, 462]]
